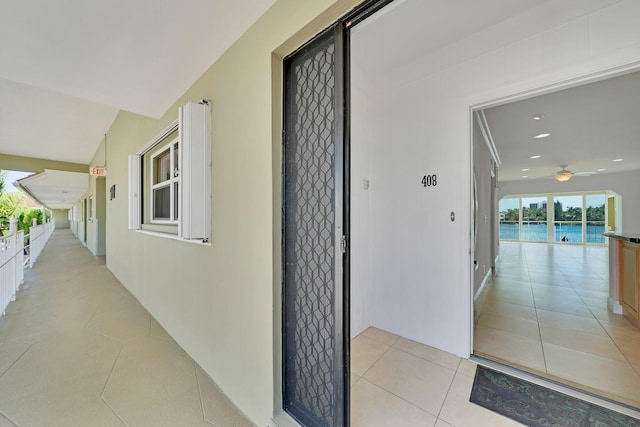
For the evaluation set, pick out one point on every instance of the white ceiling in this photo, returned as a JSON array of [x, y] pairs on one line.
[[55, 189], [427, 26], [68, 67], [590, 126]]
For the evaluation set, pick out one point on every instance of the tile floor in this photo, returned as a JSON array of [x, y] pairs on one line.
[[398, 382], [546, 311], [77, 349]]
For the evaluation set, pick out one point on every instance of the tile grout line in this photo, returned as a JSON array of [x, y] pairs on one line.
[[376, 361], [626, 358], [9, 419], [535, 308], [17, 360], [399, 397], [417, 357], [398, 337], [91, 319], [447, 395], [195, 372], [113, 368], [610, 337], [592, 315]]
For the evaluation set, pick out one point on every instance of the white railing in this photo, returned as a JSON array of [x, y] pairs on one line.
[[11, 268], [38, 237], [12, 258]]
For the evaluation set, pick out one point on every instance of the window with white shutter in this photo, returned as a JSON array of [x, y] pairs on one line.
[[170, 178]]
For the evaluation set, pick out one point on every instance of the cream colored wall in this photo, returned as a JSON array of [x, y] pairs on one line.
[[96, 226], [218, 301], [61, 216]]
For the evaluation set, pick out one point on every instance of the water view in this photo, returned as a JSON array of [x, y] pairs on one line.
[[570, 216], [570, 233]]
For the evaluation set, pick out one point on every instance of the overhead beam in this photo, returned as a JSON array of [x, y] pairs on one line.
[[30, 164]]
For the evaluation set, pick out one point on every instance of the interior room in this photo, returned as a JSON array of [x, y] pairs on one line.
[[405, 104], [545, 305]]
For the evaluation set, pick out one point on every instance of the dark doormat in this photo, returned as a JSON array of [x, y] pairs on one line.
[[537, 406]]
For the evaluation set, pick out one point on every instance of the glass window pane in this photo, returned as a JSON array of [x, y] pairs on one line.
[[534, 219], [509, 218], [595, 218], [162, 167], [568, 219], [162, 203]]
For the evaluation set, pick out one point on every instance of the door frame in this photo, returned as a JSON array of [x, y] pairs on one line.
[[344, 20]]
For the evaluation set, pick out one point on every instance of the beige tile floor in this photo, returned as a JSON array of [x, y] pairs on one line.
[[546, 311], [398, 382], [77, 349]]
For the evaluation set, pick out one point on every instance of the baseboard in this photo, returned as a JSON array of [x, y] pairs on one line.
[[480, 297], [614, 306]]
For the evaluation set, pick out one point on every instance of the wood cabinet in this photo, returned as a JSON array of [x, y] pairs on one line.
[[628, 280]]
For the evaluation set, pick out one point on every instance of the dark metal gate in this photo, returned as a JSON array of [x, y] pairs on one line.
[[315, 355]]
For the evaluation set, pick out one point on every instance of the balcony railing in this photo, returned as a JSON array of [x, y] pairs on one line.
[[564, 231], [13, 258], [11, 268], [509, 230]]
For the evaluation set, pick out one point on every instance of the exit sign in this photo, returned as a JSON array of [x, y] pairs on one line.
[[98, 171]]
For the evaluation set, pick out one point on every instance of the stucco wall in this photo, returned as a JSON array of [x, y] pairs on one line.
[[220, 302], [96, 226], [61, 216], [217, 301]]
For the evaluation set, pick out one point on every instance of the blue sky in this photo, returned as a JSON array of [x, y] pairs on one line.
[[13, 176]]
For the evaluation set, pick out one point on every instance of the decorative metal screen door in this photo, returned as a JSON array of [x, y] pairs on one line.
[[315, 355]]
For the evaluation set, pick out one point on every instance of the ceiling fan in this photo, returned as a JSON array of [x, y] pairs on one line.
[[565, 175]]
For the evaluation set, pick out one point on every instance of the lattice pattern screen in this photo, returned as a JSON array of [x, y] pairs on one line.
[[309, 215]]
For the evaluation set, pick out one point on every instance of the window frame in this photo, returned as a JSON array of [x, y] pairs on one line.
[[176, 177], [191, 221]]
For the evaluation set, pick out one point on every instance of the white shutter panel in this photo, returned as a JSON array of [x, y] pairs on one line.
[[195, 171], [134, 192]]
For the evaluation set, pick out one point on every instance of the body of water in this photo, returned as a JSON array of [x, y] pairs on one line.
[[571, 233]]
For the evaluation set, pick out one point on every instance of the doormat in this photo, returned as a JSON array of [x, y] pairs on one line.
[[537, 406]]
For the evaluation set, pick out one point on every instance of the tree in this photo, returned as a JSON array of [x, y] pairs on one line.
[[558, 214], [15, 205], [595, 213], [9, 204]]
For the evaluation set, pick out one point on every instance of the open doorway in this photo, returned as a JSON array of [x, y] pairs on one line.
[[415, 72], [546, 306]]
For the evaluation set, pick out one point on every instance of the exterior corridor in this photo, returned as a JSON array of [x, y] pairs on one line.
[[77, 349]]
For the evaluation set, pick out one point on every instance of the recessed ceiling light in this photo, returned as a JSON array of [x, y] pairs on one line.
[[601, 170], [538, 117], [524, 170], [525, 176], [542, 135], [535, 157], [618, 160]]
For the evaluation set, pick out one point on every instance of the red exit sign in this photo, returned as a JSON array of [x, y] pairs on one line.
[[98, 171]]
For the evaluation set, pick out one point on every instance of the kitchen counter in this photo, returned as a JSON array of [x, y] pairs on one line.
[[627, 237]]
